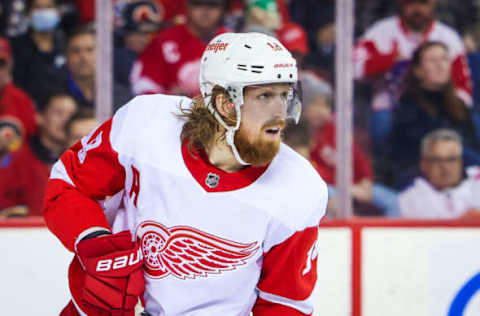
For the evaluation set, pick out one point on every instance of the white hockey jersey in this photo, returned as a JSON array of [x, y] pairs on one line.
[[214, 243]]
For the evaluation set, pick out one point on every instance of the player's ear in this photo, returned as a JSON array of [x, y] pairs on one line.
[[223, 105]]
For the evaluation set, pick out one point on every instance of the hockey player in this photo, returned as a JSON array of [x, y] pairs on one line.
[[207, 211]]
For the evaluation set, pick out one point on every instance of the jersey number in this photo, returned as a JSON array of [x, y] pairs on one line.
[[87, 144], [135, 189], [311, 255]]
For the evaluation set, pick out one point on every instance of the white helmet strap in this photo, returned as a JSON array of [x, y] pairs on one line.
[[230, 136]]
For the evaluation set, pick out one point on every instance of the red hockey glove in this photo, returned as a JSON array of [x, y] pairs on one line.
[[114, 276]]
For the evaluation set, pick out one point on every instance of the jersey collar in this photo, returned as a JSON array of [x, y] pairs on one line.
[[212, 179]]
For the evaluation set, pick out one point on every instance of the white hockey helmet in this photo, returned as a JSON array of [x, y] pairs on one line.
[[237, 60]]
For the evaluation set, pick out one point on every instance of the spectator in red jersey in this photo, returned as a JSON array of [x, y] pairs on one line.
[[79, 79], [24, 173], [382, 55], [171, 63], [318, 113], [17, 116], [40, 53]]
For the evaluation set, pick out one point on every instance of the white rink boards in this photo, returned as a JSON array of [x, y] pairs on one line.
[[404, 268]]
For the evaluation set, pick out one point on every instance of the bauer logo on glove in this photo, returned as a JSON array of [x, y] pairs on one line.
[[119, 262]]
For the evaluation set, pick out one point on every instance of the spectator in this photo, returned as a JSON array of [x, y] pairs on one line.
[[171, 63], [370, 198], [15, 106], [428, 103], [24, 176], [79, 125], [39, 53], [444, 191], [141, 20], [80, 78], [318, 114], [383, 52]]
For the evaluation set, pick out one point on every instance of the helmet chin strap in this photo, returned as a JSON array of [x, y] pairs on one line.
[[230, 134]]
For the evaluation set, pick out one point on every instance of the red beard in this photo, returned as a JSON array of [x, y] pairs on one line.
[[259, 152]]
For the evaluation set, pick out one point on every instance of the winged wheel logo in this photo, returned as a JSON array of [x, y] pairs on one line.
[[188, 253]]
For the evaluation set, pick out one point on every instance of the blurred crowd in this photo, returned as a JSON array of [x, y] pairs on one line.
[[417, 89]]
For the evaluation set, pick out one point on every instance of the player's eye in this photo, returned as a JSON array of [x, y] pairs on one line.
[[264, 95]]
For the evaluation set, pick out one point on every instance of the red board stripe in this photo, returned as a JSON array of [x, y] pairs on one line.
[[356, 271], [27, 222]]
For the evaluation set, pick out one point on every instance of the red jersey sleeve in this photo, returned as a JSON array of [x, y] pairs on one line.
[[461, 79], [288, 277], [369, 61], [86, 173]]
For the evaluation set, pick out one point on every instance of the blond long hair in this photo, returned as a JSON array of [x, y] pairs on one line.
[[201, 127]]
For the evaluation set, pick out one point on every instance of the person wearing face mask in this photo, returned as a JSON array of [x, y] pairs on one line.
[[39, 54]]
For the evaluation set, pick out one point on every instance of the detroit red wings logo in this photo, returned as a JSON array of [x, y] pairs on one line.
[[188, 253]]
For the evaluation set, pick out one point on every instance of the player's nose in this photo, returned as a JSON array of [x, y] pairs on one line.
[[279, 108]]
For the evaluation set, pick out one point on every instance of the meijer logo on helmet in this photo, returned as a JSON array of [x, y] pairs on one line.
[[217, 46]]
